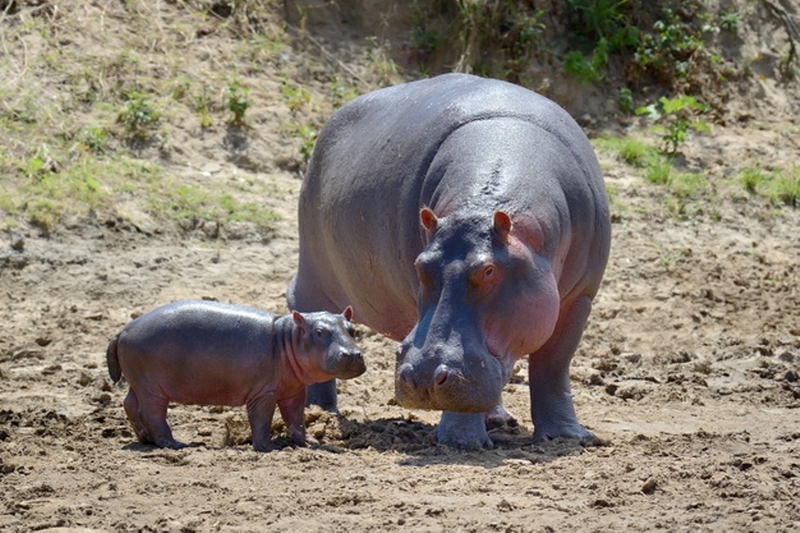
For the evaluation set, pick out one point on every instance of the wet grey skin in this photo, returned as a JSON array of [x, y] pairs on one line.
[[208, 353]]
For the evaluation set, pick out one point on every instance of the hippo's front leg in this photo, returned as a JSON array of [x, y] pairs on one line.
[[552, 409], [293, 411], [260, 411], [466, 431]]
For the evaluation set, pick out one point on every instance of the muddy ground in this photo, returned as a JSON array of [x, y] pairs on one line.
[[688, 371]]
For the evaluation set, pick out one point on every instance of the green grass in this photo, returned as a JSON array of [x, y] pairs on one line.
[[779, 186], [85, 131], [628, 149]]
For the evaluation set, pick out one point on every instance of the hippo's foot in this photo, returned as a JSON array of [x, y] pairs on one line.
[[162, 442], [547, 432], [169, 443], [264, 446], [302, 442], [324, 395], [499, 417], [465, 431]]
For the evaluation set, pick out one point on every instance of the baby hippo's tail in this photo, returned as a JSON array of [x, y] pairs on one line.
[[114, 369]]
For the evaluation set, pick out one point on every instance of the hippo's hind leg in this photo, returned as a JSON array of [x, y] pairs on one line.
[[131, 405], [552, 408], [152, 418]]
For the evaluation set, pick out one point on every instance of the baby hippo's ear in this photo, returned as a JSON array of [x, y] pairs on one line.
[[348, 313], [300, 321]]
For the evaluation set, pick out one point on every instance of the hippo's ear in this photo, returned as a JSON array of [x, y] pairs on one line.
[[502, 225], [428, 218], [348, 313], [299, 320]]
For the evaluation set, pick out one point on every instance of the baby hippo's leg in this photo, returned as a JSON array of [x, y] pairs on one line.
[[293, 411], [152, 417], [259, 412], [131, 405]]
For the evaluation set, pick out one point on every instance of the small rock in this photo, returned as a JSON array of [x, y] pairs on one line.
[[104, 399], [600, 502], [505, 505], [85, 379], [43, 341], [52, 369], [649, 486], [17, 241]]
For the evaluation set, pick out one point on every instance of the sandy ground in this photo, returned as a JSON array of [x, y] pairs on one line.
[[688, 371]]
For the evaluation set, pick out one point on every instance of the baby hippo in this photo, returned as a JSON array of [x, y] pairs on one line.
[[208, 353]]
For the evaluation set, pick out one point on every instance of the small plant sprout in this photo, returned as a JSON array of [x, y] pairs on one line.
[[730, 21], [626, 100], [204, 106], [237, 102], [138, 116], [677, 116]]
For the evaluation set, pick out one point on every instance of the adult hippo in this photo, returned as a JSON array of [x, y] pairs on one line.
[[468, 218]]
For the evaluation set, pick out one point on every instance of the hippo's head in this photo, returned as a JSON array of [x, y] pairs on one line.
[[328, 343], [485, 299]]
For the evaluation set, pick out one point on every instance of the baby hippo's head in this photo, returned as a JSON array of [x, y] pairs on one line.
[[328, 343]]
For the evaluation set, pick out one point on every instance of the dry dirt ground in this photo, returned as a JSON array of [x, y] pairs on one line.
[[688, 371]]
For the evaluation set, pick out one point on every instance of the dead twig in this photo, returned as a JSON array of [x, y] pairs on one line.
[[792, 31]]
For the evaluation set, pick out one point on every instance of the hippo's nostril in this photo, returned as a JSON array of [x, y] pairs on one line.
[[440, 375], [406, 376]]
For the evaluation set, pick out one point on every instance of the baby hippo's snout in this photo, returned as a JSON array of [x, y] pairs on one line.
[[347, 363]]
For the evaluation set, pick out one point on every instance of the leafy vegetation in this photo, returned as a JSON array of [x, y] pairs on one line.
[[237, 102], [138, 116], [676, 117]]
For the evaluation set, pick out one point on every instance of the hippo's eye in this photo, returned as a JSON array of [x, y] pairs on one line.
[[320, 333], [482, 274]]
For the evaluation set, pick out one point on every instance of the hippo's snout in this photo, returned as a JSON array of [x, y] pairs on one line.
[[347, 363], [432, 384]]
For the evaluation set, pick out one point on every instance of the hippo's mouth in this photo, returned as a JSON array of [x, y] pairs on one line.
[[503, 357], [472, 388]]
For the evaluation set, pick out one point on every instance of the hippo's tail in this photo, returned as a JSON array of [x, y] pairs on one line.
[[114, 369]]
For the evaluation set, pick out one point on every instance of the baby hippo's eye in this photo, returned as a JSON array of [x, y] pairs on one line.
[[320, 333]]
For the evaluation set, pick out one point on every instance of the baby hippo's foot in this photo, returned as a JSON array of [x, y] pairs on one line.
[[303, 441], [264, 446], [169, 443], [465, 431]]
